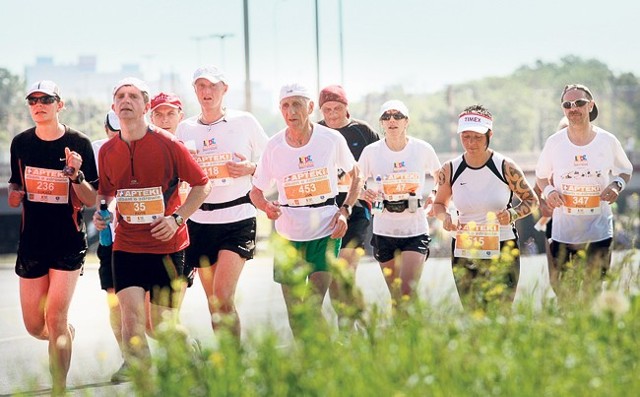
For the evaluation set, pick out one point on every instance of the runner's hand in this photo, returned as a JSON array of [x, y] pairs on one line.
[[15, 197], [272, 209], [339, 225], [610, 194], [240, 168], [98, 221], [73, 160], [448, 224], [164, 228]]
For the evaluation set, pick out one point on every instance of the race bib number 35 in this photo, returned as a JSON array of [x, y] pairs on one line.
[[307, 187], [46, 186], [140, 205], [478, 241]]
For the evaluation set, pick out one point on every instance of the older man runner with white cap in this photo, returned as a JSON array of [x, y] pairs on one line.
[[140, 170], [227, 143], [302, 160]]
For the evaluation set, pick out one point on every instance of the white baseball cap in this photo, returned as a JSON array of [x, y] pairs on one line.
[[47, 87], [294, 89], [112, 121], [131, 81], [209, 72], [474, 122], [394, 104]]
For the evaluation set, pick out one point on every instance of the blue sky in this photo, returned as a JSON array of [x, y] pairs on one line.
[[420, 44]]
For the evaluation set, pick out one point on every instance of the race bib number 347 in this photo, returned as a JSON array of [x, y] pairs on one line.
[[140, 205]]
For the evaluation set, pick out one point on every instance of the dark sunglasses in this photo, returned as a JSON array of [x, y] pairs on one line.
[[578, 103], [45, 100], [396, 116]]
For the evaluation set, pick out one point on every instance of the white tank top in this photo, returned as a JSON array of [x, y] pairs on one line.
[[478, 191]]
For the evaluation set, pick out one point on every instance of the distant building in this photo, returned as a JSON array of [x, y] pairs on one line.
[[80, 80]]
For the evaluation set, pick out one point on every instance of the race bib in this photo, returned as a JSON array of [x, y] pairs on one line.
[[140, 206], [581, 199], [215, 165], [344, 182], [307, 187], [46, 186], [397, 186], [477, 241]]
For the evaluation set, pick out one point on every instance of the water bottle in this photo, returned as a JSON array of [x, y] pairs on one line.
[[412, 202], [378, 205], [105, 234]]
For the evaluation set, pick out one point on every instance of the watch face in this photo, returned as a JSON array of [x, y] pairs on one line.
[[178, 218]]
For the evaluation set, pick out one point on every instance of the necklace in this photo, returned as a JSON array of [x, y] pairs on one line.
[[210, 125]]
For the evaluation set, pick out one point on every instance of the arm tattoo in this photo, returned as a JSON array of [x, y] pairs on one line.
[[519, 185], [441, 176]]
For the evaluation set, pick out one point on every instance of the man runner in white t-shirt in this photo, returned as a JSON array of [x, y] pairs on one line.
[[303, 160], [228, 144], [581, 171]]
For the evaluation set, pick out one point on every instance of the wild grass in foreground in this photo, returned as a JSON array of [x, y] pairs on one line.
[[585, 346]]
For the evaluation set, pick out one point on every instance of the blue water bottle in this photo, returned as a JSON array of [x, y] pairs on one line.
[[105, 234]]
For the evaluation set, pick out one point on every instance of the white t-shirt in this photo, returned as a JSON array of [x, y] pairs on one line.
[[581, 173], [478, 191], [401, 172], [304, 175], [236, 132]]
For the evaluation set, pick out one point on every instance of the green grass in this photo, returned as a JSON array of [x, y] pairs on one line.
[[587, 345]]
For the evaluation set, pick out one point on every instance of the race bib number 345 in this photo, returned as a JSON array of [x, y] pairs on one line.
[[478, 241], [140, 205]]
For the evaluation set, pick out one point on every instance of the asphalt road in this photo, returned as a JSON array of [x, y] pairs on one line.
[[24, 360]]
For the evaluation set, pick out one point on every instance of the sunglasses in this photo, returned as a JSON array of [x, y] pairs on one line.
[[396, 116], [45, 100], [578, 103]]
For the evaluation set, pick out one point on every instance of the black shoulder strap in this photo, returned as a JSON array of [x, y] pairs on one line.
[[462, 167]]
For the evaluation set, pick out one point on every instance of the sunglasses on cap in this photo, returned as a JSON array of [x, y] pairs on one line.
[[45, 100], [578, 103], [396, 116]]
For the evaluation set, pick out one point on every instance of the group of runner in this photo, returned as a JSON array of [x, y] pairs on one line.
[[184, 193]]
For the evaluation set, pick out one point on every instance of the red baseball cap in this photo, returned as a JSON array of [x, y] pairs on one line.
[[169, 99]]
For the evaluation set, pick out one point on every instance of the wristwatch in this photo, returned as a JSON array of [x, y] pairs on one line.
[[619, 185], [179, 220], [348, 208], [79, 179]]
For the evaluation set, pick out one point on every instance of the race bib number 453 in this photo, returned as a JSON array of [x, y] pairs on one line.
[[140, 205], [307, 187], [46, 186]]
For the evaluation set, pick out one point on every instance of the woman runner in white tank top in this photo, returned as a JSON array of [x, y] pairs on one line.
[[481, 183]]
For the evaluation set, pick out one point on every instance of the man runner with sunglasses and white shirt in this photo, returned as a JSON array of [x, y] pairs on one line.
[[589, 170]]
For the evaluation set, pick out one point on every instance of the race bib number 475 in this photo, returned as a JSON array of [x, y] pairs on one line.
[[140, 205]]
